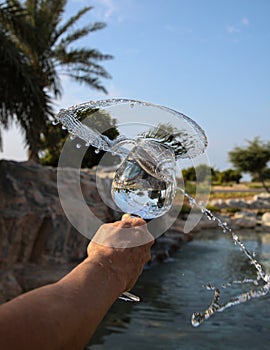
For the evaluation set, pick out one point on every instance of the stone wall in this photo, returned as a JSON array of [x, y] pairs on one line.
[[38, 245], [251, 213], [34, 231]]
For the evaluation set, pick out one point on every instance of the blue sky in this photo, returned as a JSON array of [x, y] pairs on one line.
[[207, 59]]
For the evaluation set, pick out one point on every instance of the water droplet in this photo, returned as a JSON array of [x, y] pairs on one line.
[[55, 122], [78, 145], [72, 137], [97, 151], [63, 127], [87, 144], [209, 286]]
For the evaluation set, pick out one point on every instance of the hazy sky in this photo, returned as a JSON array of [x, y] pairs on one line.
[[208, 59]]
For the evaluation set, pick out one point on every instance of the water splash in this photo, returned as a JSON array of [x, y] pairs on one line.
[[144, 184], [185, 137], [198, 318], [186, 140]]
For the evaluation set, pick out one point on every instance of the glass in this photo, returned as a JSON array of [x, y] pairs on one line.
[[148, 140]]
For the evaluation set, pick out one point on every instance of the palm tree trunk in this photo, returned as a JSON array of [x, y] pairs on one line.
[[33, 156]]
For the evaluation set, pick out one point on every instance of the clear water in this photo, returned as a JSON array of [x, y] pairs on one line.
[[137, 192], [144, 183], [134, 119], [262, 278], [170, 293]]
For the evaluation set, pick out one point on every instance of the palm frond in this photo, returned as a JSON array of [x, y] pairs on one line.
[[94, 83], [80, 33], [65, 27], [34, 45]]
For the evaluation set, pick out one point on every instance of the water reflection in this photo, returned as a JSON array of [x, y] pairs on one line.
[[171, 292]]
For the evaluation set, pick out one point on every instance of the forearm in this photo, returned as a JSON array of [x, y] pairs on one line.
[[63, 315]]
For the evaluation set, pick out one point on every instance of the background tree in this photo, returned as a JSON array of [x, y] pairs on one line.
[[229, 175], [266, 176], [252, 159], [19, 91], [40, 46], [202, 173]]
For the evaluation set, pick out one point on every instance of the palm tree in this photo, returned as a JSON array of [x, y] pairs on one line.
[[18, 88], [42, 48]]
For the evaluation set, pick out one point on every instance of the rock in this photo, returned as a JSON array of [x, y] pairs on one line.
[[262, 196], [259, 201], [9, 286], [245, 219], [218, 203], [33, 225], [236, 203], [38, 245], [266, 219]]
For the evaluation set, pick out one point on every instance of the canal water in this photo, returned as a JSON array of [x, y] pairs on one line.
[[172, 291]]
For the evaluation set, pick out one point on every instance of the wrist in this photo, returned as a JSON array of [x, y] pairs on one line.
[[106, 269]]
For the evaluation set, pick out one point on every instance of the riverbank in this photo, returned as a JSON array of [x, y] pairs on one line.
[[38, 245], [172, 292]]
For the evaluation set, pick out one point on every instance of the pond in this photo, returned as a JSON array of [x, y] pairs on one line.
[[172, 291]]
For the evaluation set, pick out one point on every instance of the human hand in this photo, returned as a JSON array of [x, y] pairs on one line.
[[123, 247]]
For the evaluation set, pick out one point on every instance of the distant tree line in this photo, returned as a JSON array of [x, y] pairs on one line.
[[206, 173], [253, 160]]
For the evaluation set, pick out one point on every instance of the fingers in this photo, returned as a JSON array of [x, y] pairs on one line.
[[126, 233], [126, 217], [133, 221], [131, 242]]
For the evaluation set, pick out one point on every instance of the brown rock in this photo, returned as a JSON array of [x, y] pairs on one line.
[[38, 245], [9, 287]]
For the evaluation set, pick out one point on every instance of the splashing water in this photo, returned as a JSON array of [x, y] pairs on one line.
[[144, 183], [198, 318]]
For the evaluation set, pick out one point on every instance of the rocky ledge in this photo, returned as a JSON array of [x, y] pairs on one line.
[[38, 245], [252, 213]]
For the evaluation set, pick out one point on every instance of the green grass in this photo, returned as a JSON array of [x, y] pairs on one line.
[[233, 195]]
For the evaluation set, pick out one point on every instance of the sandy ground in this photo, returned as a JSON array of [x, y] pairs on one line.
[[242, 187]]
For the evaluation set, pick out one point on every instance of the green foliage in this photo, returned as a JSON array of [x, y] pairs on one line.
[[185, 209], [265, 173], [228, 176], [213, 208], [19, 91], [190, 187], [201, 173], [232, 210], [252, 159], [229, 194], [36, 46]]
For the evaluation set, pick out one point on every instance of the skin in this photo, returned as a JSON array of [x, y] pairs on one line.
[[65, 314]]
